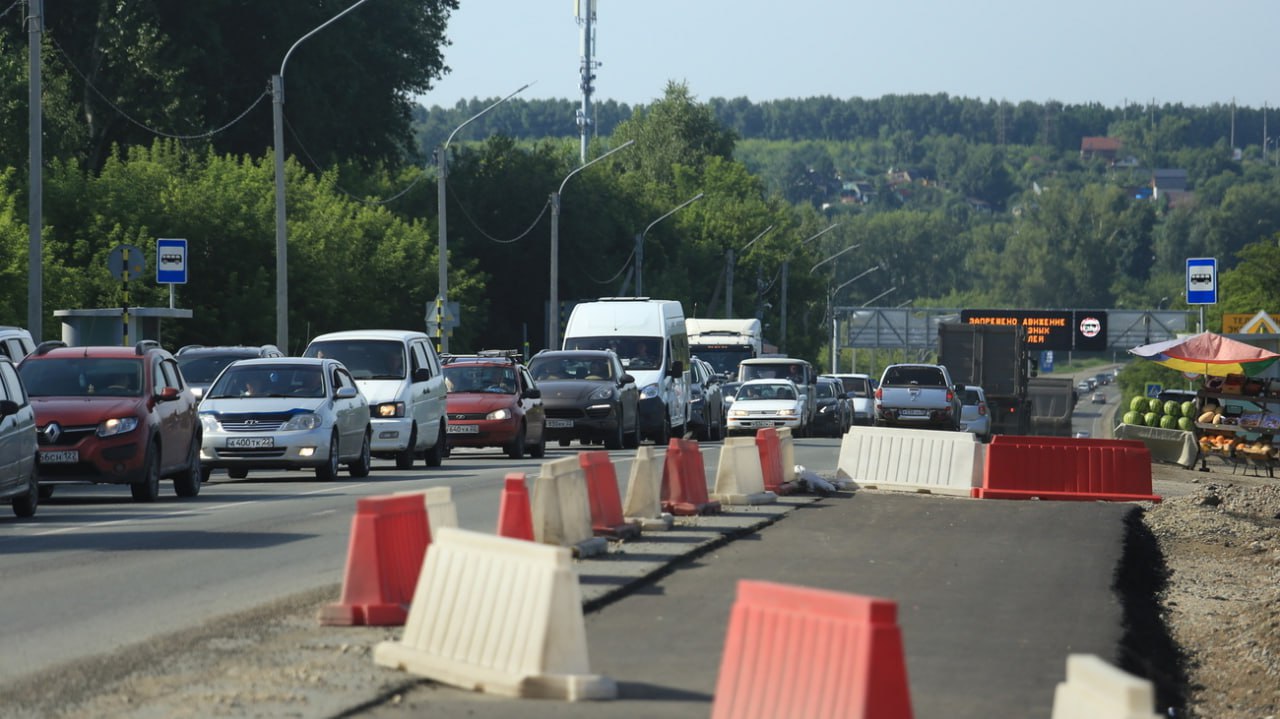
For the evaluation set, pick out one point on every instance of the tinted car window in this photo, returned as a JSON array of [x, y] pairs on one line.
[[924, 376], [365, 359], [83, 377], [203, 370], [826, 390], [971, 397], [462, 378]]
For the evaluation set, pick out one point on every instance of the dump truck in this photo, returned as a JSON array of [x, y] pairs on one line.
[[1053, 399], [995, 358]]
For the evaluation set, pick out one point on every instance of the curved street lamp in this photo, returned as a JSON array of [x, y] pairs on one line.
[[442, 171], [282, 233], [730, 262], [831, 298], [640, 242], [553, 308]]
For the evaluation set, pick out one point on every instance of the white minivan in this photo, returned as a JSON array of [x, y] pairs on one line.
[[649, 338], [399, 373]]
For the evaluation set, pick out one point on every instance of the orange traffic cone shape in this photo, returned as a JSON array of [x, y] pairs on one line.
[[389, 537], [515, 515]]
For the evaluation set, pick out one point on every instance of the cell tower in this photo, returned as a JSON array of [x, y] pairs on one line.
[[585, 12]]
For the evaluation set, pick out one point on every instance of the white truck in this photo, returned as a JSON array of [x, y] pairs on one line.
[[725, 343]]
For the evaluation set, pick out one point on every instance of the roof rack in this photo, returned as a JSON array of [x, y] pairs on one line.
[[144, 345], [44, 347], [511, 356], [187, 348]]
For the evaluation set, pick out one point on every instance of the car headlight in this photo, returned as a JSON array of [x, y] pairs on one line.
[[117, 425], [788, 412], [503, 413], [649, 391], [209, 423], [738, 413], [389, 410], [602, 393], [301, 421]]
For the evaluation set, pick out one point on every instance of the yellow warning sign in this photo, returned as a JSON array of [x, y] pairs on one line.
[[1247, 324]]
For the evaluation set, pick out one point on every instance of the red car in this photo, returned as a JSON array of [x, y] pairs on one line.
[[492, 402], [113, 415]]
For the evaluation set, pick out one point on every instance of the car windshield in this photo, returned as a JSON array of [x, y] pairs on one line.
[[826, 390], [766, 391], [462, 378], [777, 370], [364, 359], [204, 370], [644, 353], [724, 361], [554, 369], [921, 376], [269, 380], [82, 377], [856, 386], [971, 396]]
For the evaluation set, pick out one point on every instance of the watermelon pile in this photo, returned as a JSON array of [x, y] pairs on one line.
[[1154, 413]]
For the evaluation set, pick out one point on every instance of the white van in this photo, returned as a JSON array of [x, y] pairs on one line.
[[649, 337], [406, 408]]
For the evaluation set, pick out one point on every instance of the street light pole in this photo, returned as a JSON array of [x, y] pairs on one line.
[[553, 308], [786, 267], [729, 264], [640, 241], [35, 177], [882, 294], [442, 172], [282, 234], [831, 311]]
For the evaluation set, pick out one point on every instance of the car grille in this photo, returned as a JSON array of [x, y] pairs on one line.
[[66, 437], [467, 416], [260, 453], [599, 412], [565, 413], [253, 422]]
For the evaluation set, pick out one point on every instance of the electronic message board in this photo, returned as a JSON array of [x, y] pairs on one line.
[[1079, 330]]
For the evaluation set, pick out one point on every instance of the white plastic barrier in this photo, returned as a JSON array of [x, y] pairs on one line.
[[643, 502], [739, 478], [441, 511], [912, 460], [497, 615], [562, 508], [787, 448], [1096, 690]]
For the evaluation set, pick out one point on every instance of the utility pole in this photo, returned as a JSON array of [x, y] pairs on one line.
[[586, 20], [35, 162]]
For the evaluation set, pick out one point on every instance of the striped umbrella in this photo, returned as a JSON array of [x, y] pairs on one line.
[[1208, 353]]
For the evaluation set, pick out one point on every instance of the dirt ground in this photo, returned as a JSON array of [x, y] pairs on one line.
[[1219, 534], [1208, 609]]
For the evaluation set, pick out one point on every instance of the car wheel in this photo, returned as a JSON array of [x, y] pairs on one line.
[[515, 450], [205, 473], [615, 439], [187, 484], [149, 488], [46, 491], [25, 506], [328, 471], [404, 459], [632, 440], [435, 455], [663, 438], [360, 467], [538, 449], [237, 473]]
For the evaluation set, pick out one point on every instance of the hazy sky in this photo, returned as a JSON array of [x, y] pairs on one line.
[[1187, 51]]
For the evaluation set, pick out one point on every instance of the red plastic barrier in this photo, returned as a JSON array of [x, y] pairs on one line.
[[811, 653], [684, 480], [770, 447], [1061, 468], [389, 538], [515, 513], [602, 492]]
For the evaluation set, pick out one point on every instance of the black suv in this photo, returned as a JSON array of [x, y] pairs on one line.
[[588, 396], [201, 365]]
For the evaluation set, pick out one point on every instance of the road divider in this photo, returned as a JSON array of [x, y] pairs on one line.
[[498, 615], [808, 653], [388, 538], [1096, 690], [1064, 468], [911, 460], [643, 501], [562, 509], [777, 477], [684, 480], [739, 478], [441, 511], [602, 494], [515, 513]]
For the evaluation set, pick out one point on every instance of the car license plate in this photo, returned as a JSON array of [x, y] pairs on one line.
[[66, 456], [915, 412], [250, 442], [559, 423], [463, 429]]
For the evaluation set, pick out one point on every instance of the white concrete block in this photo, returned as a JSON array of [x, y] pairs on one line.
[[739, 478], [787, 449], [497, 615], [911, 460], [1096, 690], [562, 508], [643, 502]]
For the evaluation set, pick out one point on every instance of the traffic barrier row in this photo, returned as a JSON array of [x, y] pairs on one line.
[[602, 491], [684, 480], [643, 503], [1064, 468], [739, 477], [779, 478], [912, 460], [562, 508]]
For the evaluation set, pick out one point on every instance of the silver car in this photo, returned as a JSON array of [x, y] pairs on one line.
[[975, 418], [285, 413], [18, 484]]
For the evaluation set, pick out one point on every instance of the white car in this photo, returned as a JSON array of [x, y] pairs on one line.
[[765, 403], [975, 417], [285, 413]]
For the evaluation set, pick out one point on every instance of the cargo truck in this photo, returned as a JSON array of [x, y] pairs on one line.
[[725, 343], [995, 358], [1053, 400]]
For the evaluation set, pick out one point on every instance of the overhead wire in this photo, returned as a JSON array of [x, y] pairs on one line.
[[625, 264]]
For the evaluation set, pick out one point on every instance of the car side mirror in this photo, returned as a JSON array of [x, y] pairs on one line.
[[959, 388], [422, 374], [677, 368], [533, 393], [625, 380], [168, 394], [8, 407]]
